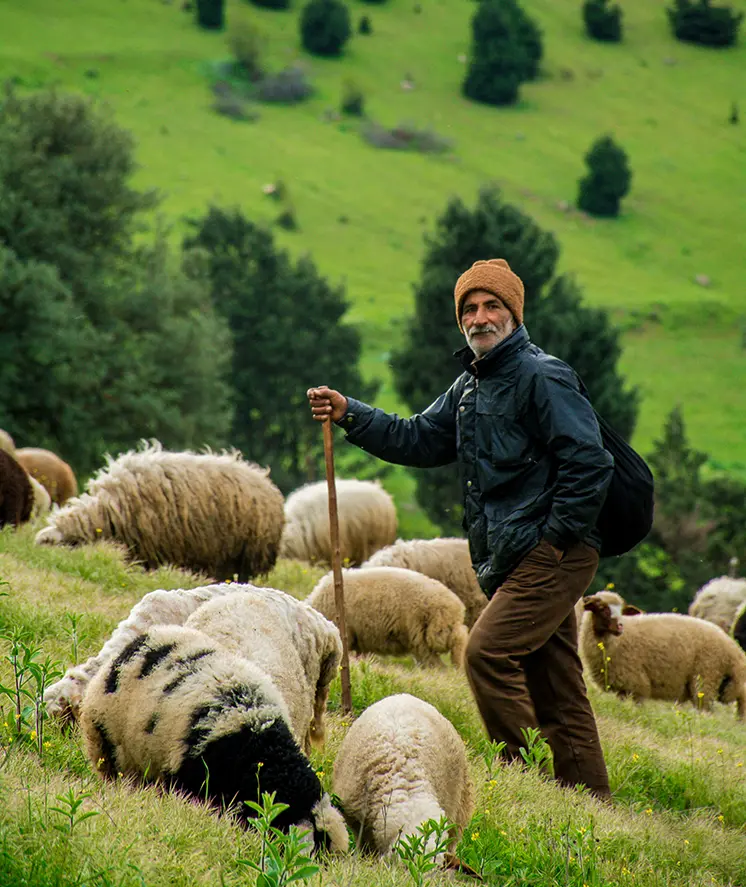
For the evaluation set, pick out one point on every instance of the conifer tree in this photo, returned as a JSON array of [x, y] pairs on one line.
[[325, 27], [211, 14], [603, 21], [608, 180], [698, 21], [499, 61]]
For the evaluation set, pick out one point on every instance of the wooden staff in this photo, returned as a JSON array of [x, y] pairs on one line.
[[339, 598]]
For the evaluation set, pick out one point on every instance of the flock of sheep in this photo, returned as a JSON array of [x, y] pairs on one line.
[[233, 678]]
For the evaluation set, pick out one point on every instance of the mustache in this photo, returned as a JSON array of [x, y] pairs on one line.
[[483, 328]]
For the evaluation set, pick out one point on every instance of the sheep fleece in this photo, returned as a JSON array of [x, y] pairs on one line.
[[16, 493], [54, 474], [718, 601]]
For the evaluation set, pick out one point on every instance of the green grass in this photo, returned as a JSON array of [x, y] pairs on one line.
[[677, 775], [665, 102]]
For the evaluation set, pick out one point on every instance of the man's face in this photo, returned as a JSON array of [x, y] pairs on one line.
[[486, 321]]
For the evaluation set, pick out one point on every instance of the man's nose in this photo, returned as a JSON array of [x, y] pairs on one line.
[[482, 315]]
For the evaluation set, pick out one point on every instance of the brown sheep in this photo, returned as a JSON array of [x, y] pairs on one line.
[[6, 442], [16, 493], [52, 473]]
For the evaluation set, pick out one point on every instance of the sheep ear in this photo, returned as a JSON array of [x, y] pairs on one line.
[[328, 819], [631, 610], [592, 603]]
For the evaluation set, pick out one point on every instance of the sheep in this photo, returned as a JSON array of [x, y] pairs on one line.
[[367, 522], [16, 492], [210, 513], [608, 596], [447, 560], [295, 645], [738, 629], [400, 764], [176, 709], [718, 600], [392, 610], [53, 473], [42, 501], [6, 442], [662, 656]]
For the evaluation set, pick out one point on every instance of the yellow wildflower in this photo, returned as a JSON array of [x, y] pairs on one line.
[[635, 757], [720, 751], [686, 842], [721, 818], [700, 695], [34, 734], [474, 836], [610, 586], [649, 811]]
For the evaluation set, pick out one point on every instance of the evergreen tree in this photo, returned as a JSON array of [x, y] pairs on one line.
[[698, 21], [211, 14], [608, 180], [286, 324], [603, 21], [325, 27], [555, 317], [500, 61], [528, 34]]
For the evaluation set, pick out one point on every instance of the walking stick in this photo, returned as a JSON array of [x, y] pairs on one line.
[[339, 598]]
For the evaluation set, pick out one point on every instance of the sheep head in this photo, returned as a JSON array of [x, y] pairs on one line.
[[606, 615]]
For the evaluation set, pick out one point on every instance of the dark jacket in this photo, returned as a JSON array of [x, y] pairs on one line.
[[528, 445]]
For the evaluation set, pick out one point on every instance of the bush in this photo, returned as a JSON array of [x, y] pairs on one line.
[[272, 4], [211, 14], [603, 22], [245, 43], [405, 137], [608, 179], [288, 86], [703, 23], [353, 100], [365, 26], [325, 27], [231, 105], [500, 61]]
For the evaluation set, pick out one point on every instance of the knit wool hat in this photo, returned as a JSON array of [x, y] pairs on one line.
[[494, 276]]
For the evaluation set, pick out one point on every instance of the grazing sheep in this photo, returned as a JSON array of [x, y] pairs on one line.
[[609, 597], [400, 764], [175, 708], [206, 512], [447, 560], [292, 643], [16, 492], [52, 473], [739, 626], [662, 656], [367, 522], [42, 500], [391, 610], [6, 442], [718, 601]]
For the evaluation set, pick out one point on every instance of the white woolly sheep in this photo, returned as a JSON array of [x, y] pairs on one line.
[[447, 560], [718, 601], [292, 643], [367, 522], [395, 611], [662, 656], [53, 473], [6, 442], [175, 708], [400, 764], [42, 500], [208, 512], [607, 596]]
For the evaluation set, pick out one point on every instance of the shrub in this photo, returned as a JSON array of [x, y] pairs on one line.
[[325, 27], [245, 43], [231, 105], [405, 137], [499, 60], [603, 22], [608, 179], [700, 22], [353, 100], [288, 86], [272, 4], [365, 26], [211, 14]]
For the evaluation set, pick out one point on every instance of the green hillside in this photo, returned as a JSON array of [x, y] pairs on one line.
[[363, 211]]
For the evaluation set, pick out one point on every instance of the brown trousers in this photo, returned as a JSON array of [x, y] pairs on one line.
[[523, 665]]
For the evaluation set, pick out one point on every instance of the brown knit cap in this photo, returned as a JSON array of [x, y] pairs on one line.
[[494, 276]]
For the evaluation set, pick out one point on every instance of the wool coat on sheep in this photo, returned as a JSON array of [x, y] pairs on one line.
[[447, 560], [395, 611], [208, 512], [6, 442], [367, 522], [16, 493], [292, 643], [55, 475], [739, 626], [400, 764], [719, 600], [176, 708], [663, 656], [42, 500]]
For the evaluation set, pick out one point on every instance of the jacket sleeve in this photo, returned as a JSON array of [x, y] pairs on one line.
[[567, 426], [425, 440]]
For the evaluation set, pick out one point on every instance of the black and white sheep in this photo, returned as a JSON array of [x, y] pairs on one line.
[[400, 764], [395, 611], [175, 708], [208, 512], [447, 560], [367, 522], [662, 656], [719, 600]]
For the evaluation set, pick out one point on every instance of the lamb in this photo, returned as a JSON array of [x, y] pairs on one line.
[[55, 475], [400, 764], [6, 442], [447, 560], [176, 709], [367, 522], [662, 656], [718, 601], [210, 513], [16, 492], [738, 630], [292, 643], [391, 610]]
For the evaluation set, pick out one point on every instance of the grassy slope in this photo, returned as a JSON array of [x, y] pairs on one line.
[[679, 816], [665, 102]]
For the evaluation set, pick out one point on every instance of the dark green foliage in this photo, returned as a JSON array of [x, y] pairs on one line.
[[272, 4], [603, 21], [288, 334], [365, 26], [608, 180], [528, 34], [353, 100], [499, 60], [701, 22], [211, 14], [109, 343], [555, 317], [325, 27]]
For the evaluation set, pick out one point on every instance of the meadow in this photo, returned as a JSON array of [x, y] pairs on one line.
[[677, 774]]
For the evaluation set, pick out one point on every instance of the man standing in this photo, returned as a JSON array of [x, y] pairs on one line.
[[534, 474]]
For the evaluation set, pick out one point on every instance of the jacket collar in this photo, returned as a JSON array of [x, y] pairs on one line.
[[500, 355]]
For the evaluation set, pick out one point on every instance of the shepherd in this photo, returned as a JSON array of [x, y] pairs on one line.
[[535, 475]]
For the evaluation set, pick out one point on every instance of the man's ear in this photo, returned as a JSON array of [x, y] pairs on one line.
[[632, 610]]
